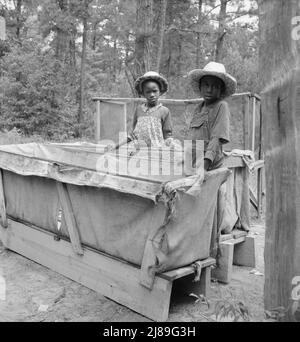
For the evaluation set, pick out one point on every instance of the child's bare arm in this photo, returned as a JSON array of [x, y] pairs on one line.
[[134, 122], [219, 135], [167, 126]]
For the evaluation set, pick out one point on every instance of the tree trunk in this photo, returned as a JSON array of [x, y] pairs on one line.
[[61, 39], [221, 30], [179, 59], [169, 55], [72, 51], [83, 64], [144, 17], [161, 33], [94, 35], [115, 61], [19, 19], [280, 78], [65, 37], [198, 43]]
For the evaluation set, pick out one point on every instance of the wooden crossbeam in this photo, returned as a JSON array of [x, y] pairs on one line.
[[69, 217], [185, 271]]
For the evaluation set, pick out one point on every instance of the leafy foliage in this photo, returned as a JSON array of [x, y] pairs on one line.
[[41, 61], [235, 311]]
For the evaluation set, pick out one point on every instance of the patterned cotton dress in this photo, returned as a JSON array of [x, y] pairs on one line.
[[151, 126]]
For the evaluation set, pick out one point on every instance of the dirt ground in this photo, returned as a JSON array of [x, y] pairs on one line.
[[36, 294]]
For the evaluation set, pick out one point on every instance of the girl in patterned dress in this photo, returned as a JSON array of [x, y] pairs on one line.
[[152, 125]]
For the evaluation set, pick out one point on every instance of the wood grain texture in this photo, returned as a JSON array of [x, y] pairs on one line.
[[223, 271], [184, 271], [3, 217], [245, 253], [280, 78]]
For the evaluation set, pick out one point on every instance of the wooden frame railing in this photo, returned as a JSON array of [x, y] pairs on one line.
[[250, 126]]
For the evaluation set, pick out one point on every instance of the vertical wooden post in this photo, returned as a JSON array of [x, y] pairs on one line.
[[253, 123], [125, 122], [246, 122], [260, 170], [280, 77], [97, 121], [3, 217]]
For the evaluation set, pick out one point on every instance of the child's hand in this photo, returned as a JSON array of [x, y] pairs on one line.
[[111, 147], [170, 142]]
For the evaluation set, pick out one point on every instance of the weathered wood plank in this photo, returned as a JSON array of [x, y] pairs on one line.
[[165, 101], [254, 101], [205, 282], [184, 271], [112, 278], [223, 271], [98, 121], [280, 79], [3, 217], [226, 237], [245, 253], [237, 234], [69, 217], [247, 130]]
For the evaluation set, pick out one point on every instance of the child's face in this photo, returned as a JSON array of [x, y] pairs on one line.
[[151, 92], [211, 88]]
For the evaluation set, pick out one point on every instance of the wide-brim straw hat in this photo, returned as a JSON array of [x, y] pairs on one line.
[[217, 70], [151, 76]]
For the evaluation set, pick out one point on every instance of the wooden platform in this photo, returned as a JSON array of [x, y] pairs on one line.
[[238, 249], [113, 278]]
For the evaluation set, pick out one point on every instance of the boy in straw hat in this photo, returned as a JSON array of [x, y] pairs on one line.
[[211, 124], [211, 119]]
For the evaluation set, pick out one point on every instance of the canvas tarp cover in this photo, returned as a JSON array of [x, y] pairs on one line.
[[154, 225]]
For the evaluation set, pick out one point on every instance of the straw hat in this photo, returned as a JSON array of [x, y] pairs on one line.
[[217, 70], [151, 76]]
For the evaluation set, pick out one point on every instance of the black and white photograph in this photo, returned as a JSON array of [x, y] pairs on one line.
[[149, 163]]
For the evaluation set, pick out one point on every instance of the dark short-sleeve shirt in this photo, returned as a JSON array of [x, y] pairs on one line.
[[212, 125]]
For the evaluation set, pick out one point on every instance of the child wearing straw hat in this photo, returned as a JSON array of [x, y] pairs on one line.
[[211, 119]]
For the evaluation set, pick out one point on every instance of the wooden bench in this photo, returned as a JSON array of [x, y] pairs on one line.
[[238, 249]]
